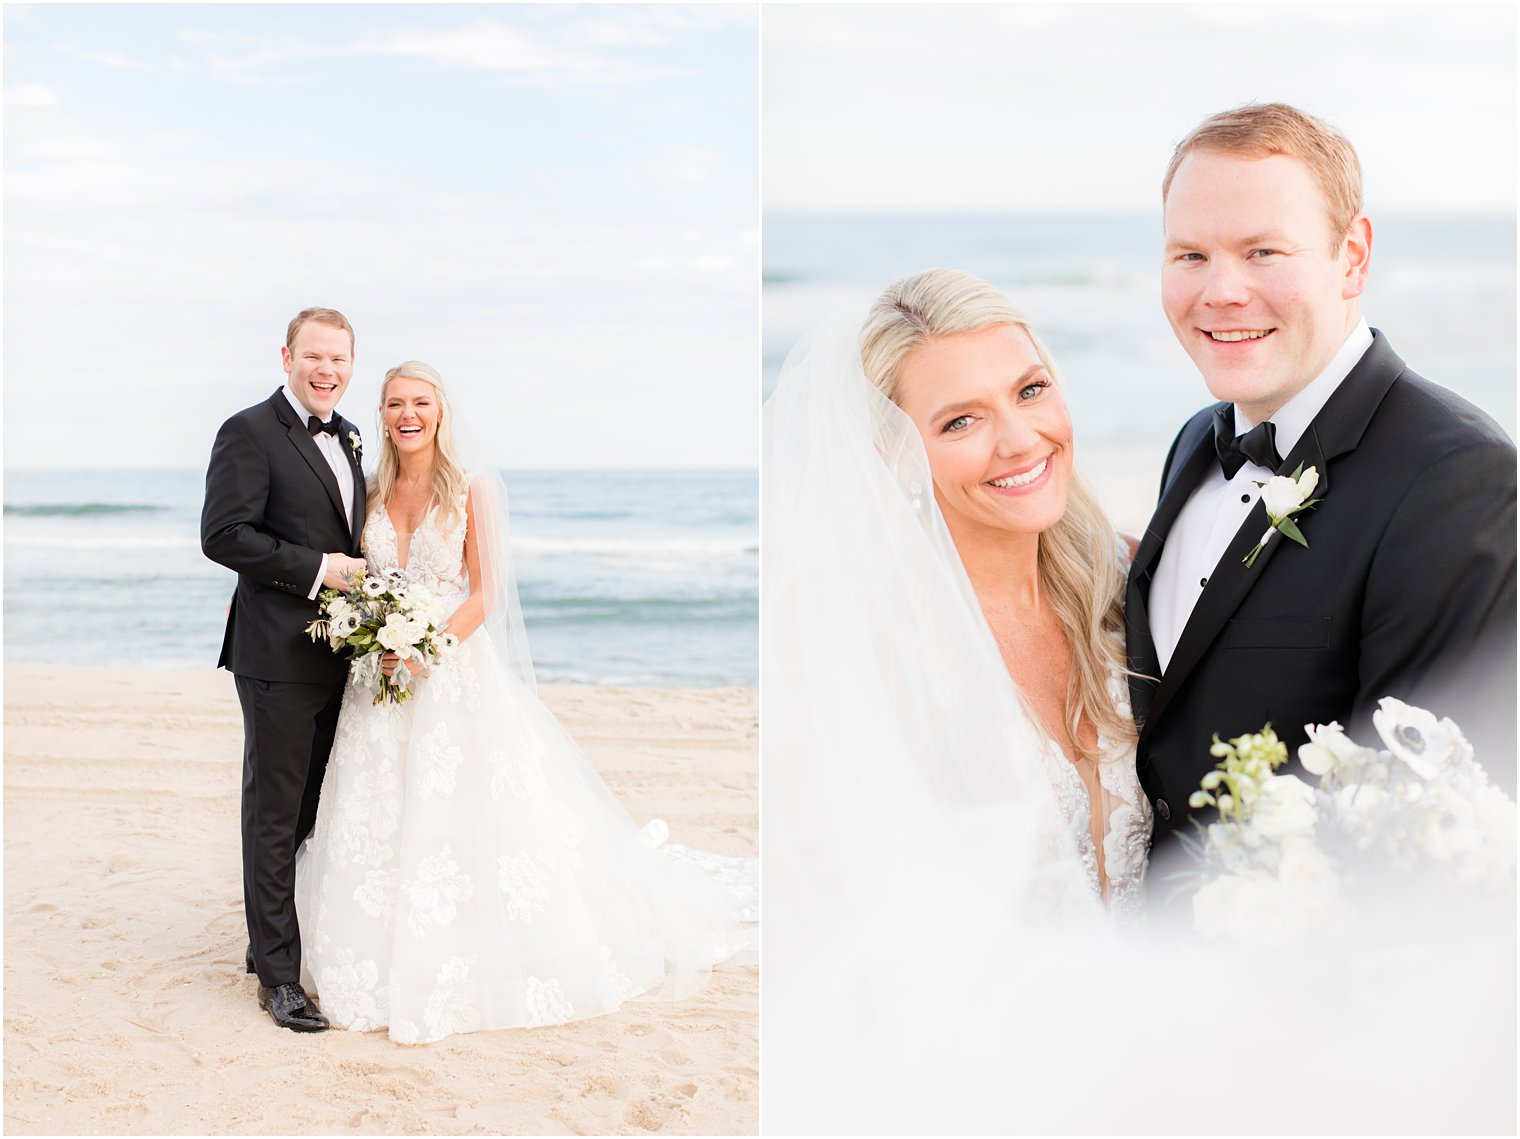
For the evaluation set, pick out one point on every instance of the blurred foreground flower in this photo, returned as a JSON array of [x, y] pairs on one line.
[[1286, 858]]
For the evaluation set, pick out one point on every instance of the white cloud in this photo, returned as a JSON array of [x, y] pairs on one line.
[[485, 44], [691, 165], [30, 96], [563, 51], [112, 59]]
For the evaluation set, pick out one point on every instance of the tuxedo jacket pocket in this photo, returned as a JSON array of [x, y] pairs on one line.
[[1277, 633]]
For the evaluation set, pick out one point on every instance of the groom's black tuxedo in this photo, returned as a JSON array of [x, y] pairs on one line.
[[272, 509], [1406, 589]]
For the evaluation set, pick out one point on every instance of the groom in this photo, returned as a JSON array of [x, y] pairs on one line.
[[1407, 585], [284, 509]]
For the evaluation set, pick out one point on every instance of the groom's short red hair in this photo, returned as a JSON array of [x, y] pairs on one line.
[[1257, 130], [328, 316]]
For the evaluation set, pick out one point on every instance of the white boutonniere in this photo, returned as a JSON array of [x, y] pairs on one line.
[[355, 444], [1284, 496]]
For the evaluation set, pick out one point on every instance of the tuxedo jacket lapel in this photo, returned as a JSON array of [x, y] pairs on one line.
[[356, 518], [1336, 430], [1190, 457], [1193, 453]]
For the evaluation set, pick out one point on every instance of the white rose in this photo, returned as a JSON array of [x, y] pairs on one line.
[[1214, 906], [1282, 496], [1415, 736], [1492, 862], [393, 634], [1359, 809], [1307, 482], [1285, 808], [1308, 877], [1328, 747], [1247, 907]]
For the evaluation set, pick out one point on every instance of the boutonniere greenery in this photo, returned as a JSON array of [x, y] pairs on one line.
[[355, 444], [1284, 496]]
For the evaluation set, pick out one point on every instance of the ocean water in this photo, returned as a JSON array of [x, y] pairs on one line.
[[1441, 288], [639, 578]]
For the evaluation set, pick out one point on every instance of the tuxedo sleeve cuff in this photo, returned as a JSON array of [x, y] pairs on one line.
[[317, 585]]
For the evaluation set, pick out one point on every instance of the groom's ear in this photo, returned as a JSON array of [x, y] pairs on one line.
[[285, 358], [1356, 250]]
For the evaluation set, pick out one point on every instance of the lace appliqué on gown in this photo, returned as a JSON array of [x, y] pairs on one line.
[[468, 868], [1127, 826]]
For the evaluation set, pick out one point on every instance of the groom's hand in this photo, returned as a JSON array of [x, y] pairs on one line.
[[339, 567]]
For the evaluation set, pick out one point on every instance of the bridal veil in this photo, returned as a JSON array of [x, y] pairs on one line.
[[909, 824]]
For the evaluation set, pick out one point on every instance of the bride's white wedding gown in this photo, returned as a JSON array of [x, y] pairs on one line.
[[1125, 809], [468, 868]]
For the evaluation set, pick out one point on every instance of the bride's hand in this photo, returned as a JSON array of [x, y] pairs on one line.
[[389, 661]]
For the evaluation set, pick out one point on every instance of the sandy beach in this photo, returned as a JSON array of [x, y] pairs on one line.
[[126, 1006]]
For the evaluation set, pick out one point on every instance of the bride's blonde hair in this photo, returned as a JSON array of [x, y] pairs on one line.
[[449, 481], [1078, 564]]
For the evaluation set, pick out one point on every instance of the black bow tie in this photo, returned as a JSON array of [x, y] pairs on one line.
[[316, 426], [1258, 445]]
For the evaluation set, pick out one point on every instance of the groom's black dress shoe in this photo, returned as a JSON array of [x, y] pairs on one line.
[[290, 1008]]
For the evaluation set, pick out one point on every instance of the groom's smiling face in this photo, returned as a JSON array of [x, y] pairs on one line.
[[1257, 288], [319, 362]]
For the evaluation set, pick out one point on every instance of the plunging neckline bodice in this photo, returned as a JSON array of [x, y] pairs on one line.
[[434, 553], [396, 538]]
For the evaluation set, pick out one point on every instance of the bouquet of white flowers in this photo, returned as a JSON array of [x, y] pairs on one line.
[[1284, 854], [383, 614]]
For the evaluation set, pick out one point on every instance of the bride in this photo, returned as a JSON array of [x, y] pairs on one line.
[[468, 868], [949, 757], [947, 452]]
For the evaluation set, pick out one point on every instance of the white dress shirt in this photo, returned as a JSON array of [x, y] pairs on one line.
[[332, 450], [1218, 508]]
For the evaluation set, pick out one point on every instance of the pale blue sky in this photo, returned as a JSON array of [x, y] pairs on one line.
[[556, 205], [1074, 107]]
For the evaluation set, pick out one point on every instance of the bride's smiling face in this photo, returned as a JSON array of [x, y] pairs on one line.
[[409, 412], [995, 428]]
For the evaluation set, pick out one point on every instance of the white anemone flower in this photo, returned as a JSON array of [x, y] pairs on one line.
[[1426, 745]]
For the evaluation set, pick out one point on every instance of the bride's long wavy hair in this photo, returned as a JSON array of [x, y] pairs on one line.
[[1078, 569], [449, 480]]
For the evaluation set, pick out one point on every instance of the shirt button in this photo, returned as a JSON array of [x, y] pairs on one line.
[[1245, 498], [1202, 581]]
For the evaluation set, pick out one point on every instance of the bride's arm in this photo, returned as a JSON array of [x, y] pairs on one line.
[[471, 613]]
